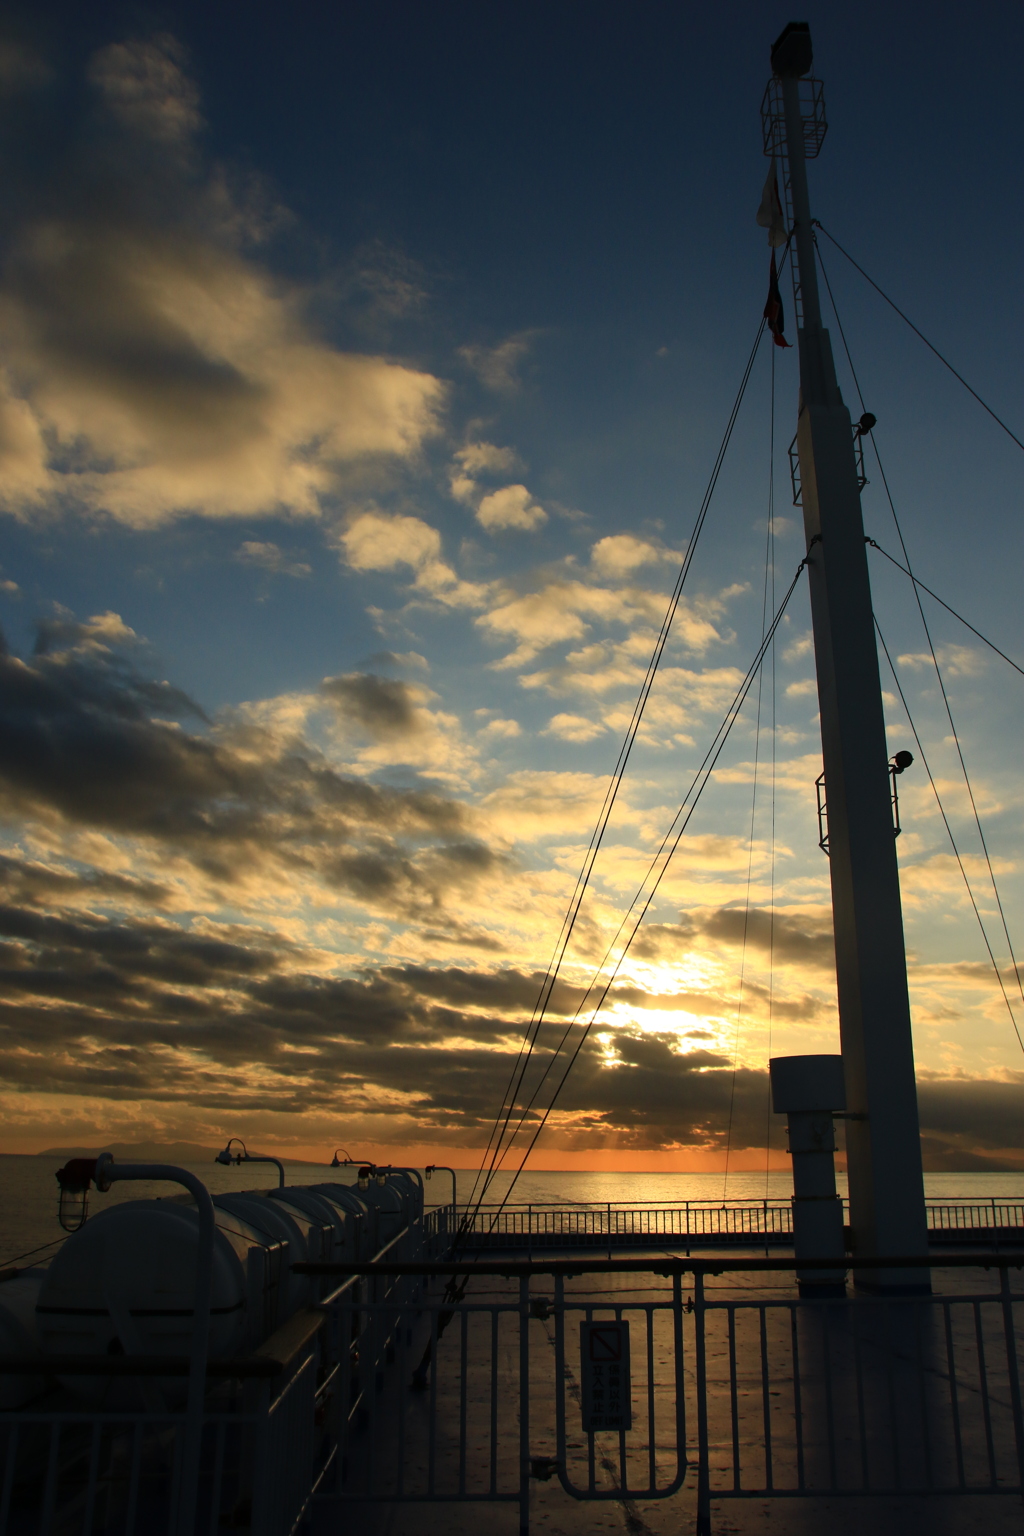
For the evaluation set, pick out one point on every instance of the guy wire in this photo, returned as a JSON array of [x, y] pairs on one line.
[[699, 783], [753, 793], [949, 830], [932, 652], [524, 1056]]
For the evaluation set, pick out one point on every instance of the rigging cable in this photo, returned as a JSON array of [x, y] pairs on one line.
[[931, 347], [768, 561], [678, 826], [455, 1289], [932, 651], [771, 890], [521, 1065], [949, 830], [873, 544]]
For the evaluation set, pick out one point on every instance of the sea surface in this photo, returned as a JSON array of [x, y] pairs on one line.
[[28, 1191]]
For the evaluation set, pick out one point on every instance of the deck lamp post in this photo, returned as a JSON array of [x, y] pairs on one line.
[[227, 1157], [438, 1168]]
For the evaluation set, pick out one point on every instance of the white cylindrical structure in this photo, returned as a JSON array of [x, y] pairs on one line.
[[385, 1205], [18, 1335], [337, 1230], [807, 1089], [410, 1180], [299, 1238], [125, 1284], [358, 1214]]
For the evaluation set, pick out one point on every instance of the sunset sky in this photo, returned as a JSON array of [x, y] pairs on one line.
[[362, 368]]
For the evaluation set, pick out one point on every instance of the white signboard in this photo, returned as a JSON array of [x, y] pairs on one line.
[[604, 1357]]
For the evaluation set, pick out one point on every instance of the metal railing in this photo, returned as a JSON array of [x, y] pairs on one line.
[[746, 1391], [254, 1456], [693, 1223], [731, 1386]]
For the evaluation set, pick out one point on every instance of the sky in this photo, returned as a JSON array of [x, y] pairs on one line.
[[362, 369]]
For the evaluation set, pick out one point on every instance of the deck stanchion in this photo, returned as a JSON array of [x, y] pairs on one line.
[[703, 1470], [560, 1378], [1006, 1297], [524, 1405]]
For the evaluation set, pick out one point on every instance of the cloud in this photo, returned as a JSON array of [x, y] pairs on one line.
[[269, 557], [486, 458], [621, 553], [497, 368], [381, 285], [566, 609], [536, 803], [510, 507], [199, 1023], [504, 729], [799, 648], [95, 761], [382, 541], [478, 460], [146, 90], [405, 660], [560, 611], [386, 707], [573, 728], [402, 729], [115, 992], [956, 660], [154, 369], [804, 939]]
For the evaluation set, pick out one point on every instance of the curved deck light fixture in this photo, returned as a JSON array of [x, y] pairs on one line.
[[227, 1157]]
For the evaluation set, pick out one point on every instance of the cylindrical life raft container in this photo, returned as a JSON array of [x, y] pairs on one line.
[[337, 1227], [302, 1238], [124, 1283], [18, 1336], [359, 1217]]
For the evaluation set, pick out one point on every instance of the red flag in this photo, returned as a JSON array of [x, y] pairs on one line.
[[773, 308]]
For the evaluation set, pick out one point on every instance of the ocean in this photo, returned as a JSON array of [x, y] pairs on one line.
[[28, 1191]]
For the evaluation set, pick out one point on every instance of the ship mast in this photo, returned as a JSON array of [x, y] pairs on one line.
[[887, 1211]]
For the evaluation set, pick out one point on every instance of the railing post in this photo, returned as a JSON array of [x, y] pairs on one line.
[[1006, 1297], [703, 1470], [609, 1225], [524, 1405]]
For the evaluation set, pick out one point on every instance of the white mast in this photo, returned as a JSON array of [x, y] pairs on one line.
[[887, 1212]]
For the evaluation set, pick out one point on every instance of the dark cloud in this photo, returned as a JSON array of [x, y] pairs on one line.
[[102, 994], [25, 880], [796, 939], [235, 1020], [385, 707], [88, 740]]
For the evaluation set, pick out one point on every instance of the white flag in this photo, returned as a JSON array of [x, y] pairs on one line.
[[769, 215]]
